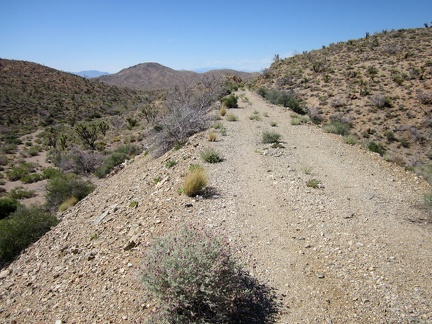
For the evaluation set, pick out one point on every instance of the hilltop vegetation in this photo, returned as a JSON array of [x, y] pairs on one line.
[[378, 87]]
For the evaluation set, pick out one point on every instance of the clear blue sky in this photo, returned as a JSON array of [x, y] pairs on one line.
[[109, 35]]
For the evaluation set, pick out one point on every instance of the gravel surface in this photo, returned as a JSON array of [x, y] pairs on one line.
[[357, 249]]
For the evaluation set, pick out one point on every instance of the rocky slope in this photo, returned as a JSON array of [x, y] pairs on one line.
[[380, 85], [355, 250]]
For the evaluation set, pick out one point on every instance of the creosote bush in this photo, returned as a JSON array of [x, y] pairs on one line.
[[194, 278], [195, 182]]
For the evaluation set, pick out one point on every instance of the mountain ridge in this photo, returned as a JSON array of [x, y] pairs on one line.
[[155, 76]]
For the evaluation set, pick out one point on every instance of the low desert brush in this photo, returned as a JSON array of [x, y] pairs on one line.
[[223, 110], [231, 117], [212, 137], [270, 137], [72, 201], [211, 156], [194, 278], [195, 182]]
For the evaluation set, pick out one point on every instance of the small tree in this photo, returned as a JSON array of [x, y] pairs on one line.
[[103, 127], [88, 134]]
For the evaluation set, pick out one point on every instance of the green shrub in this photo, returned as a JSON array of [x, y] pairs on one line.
[[18, 171], [195, 279], [110, 163], [270, 137], [7, 206], [211, 156], [171, 163], [22, 228], [337, 127], [49, 173], [377, 148], [32, 177], [231, 101], [314, 183], [283, 98], [65, 186], [350, 139], [21, 193]]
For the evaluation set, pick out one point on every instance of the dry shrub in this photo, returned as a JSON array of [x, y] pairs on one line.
[[72, 201], [195, 182], [212, 137], [223, 110]]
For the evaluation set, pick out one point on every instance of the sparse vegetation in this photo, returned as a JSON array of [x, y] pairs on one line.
[[337, 127], [269, 137], [314, 183], [231, 117], [377, 148], [170, 163]]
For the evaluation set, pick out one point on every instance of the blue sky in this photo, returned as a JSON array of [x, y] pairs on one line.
[[109, 35]]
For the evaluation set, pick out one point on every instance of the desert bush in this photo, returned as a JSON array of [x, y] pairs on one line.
[[299, 120], [187, 113], [117, 157], [3, 160], [22, 228], [170, 163], [7, 206], [314, 183], [88, 133], [269, 137], [231, 101], [212, 137], [72, 201], [283, 98], [65, 186], [350, 139], [18, 171], [223, 110], [231, 117], [21, 193], [79, 161], [381, 101], [377, 148], [195, 182], [211, 156], [32, 177], [195, 279], [337, 127]]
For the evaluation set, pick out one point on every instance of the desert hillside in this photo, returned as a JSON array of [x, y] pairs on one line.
[[379, 85], [33, 95], [340, 234]]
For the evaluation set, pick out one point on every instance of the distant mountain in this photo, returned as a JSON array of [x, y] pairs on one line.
[[91, 73], [154, 76]]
